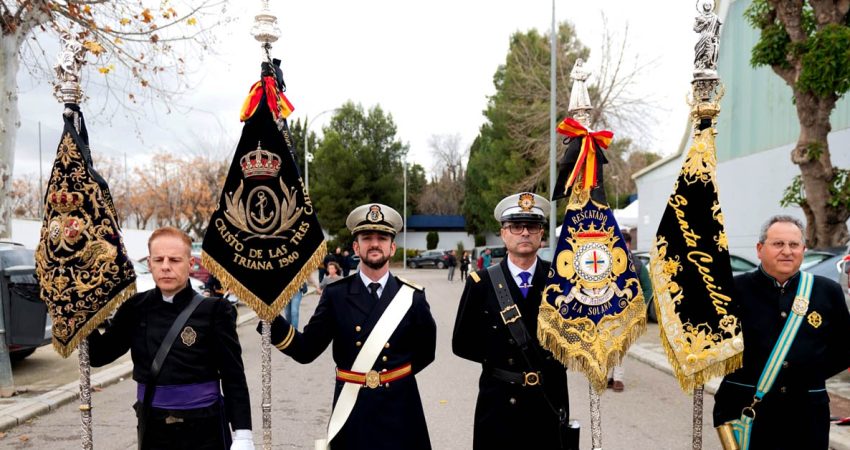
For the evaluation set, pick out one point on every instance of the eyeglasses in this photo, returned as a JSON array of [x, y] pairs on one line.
[[516, 228], [779, 245]]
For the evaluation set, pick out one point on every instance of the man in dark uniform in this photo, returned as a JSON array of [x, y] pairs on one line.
[[794, 414], [187, 408], [384, 410], [522, 398]]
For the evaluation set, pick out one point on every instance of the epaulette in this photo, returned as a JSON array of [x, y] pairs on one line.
[[474, 276], [418, 287]]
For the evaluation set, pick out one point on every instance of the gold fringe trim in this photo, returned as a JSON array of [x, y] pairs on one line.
[[695, 353], [66, 349], [592, 349], [264, 311], [689, 382]]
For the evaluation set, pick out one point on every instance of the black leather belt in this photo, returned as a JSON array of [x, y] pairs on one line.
[[524, 379]]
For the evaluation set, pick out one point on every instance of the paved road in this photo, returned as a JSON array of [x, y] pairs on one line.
[[651, 414]]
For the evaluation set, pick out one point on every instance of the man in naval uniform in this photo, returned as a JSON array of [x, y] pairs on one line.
[[794, 414], [383, 334], [522, 397], [187, 409]]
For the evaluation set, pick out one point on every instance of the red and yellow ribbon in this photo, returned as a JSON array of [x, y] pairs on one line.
[[587, 156], [277, 101]]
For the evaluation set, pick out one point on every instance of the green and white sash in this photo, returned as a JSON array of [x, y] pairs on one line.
[[743, 426]]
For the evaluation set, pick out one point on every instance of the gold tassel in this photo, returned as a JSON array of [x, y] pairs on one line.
[[65, 350], [264, 311]]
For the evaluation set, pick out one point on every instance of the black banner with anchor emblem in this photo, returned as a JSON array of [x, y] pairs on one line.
[[82, 267], [264, 239]]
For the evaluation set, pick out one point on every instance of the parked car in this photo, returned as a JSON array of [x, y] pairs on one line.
[[843, 267], [429, 258], [26, 320], [497, 254], [739, 265], [546, 254], [813, 257], [198, 271], [145, 282]]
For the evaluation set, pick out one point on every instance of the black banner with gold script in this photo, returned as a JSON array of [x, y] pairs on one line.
[[692, 275], [264, 239], [81, 262]]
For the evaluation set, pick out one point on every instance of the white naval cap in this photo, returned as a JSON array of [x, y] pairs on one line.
[[374, 217], [522, 207]]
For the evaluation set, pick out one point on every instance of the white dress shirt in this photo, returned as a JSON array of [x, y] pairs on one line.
[[383, 281]]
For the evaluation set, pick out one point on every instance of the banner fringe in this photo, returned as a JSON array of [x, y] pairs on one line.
[[689, 382], [566, 345], [65, 350], [264, 311]]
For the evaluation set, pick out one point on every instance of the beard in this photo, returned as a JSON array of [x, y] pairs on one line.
[[375, 263]]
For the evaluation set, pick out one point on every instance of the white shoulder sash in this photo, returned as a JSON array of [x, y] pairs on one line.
[[365, 360]]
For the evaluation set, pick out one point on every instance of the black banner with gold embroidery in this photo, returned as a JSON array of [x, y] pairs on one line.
[[81, 263], [692, 275], [264, 239]]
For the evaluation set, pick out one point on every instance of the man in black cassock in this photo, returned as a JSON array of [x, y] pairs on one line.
[[200, 393]]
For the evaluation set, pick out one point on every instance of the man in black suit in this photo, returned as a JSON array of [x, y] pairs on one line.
[[522, 398], [794, 413], [382, 333]]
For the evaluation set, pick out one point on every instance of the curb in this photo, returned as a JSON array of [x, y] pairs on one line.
[[839, 437], [26, 409]]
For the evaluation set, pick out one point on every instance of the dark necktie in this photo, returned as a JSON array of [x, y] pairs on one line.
[[524, 276], [373, 288]]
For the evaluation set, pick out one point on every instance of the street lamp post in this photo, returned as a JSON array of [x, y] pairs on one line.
[[404, 218], [616, 191], [307, 156], [553, 150]]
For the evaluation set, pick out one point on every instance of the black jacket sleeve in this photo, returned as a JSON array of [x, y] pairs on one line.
[[838, 352], [116, 340], [425, 331], [318, 333], [468, 330], [237, 402]]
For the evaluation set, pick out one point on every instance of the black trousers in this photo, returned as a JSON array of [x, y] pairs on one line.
[[201, 429]]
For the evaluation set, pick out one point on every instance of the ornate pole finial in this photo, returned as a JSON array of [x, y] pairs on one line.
[[265, 28], [580, 105], [68, 67], [706, 50]]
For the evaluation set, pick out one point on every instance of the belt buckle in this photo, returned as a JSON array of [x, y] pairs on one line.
[[508, 311], [373, 379], [170, 420], [530, 378]]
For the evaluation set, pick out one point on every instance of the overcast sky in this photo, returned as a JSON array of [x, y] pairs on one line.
[[429, 64]]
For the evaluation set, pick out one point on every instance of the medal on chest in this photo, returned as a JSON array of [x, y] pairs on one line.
[[188, 336]]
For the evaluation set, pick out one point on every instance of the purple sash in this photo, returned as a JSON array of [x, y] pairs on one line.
[[182, 396]]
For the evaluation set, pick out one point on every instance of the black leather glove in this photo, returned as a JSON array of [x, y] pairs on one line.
[[280, 328]]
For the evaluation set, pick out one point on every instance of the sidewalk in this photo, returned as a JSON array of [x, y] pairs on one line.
[[18, 409], [653, 355]]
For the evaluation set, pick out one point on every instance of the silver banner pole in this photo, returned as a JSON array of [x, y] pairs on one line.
[[85, 395], [267, 384]]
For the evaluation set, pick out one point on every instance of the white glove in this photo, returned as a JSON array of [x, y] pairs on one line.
[[242, 440]]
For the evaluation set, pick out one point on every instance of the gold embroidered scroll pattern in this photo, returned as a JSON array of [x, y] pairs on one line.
[[696, 352], [79, 272], [579, 343], [700, 163]]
